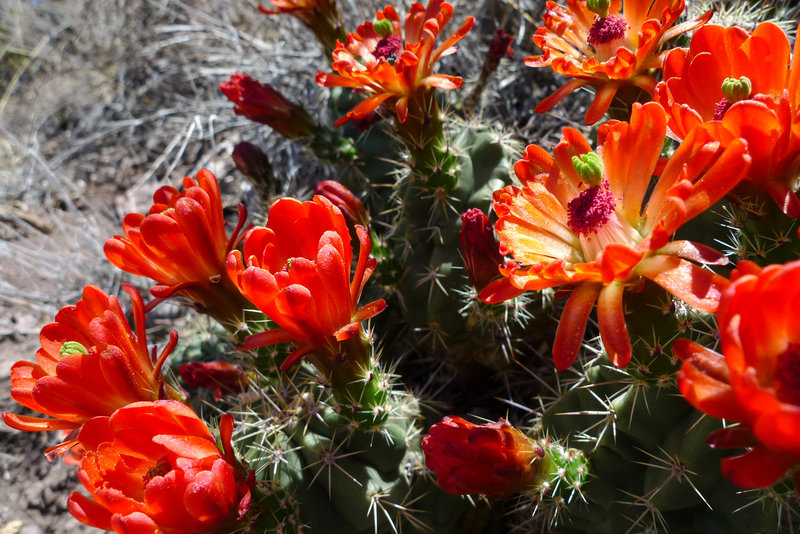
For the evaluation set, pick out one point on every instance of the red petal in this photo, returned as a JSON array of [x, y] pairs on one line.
[[87, 511], [759, 468]]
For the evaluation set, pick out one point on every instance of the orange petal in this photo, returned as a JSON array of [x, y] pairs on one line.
[[572, 325], [694, 285], [611, 319]]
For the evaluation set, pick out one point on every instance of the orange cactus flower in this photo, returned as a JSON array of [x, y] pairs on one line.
[[155, 467], [610, 48], [579, 221], [494, 459], [391, 62], [748, 86], [297, 271], [182, 245], [90, 364], [756, 381]]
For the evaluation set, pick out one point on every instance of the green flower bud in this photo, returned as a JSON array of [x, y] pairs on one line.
[[72, 347], [589, 167], [598, 6], [735, 90], [383, 27]]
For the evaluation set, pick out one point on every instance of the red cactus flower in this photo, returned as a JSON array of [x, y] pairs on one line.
[[90, 364], [480, 249], [579, 221], [297, 271], [155, 467], [390, 62], [221, 376], [182, 245], [748, 86], [260, 102], [756, 379], [494, 459], [609, 49]]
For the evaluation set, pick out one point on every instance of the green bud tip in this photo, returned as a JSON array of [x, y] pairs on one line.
[[72, 347], [598, 6], [384, 27], [589, 167], [735, 90]]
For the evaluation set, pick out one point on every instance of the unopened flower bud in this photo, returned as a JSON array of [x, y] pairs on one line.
[[494, 459], [481, 250], [735, 89], [341, 197], [221, 376], [260, 102], [589, 167], [255, 165]]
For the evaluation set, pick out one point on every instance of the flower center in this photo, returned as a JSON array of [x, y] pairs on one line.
[[589, 211], [733, 90], [787, 375], [606, 30], [388, 48], [159, 469], [721, 108]]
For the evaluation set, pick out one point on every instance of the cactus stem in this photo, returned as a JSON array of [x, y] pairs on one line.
[[328, 457], [677, 471], [431, 275], [434, 335]]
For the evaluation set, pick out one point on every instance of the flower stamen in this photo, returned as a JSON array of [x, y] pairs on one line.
[[388, 48], [590, 210], [607, 34]]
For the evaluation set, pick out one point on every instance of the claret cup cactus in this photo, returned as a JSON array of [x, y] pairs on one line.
[[455, 334]]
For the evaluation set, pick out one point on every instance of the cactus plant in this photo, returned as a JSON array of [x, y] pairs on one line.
[[444, 241]]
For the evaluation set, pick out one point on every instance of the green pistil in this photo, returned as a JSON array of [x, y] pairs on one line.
[[735, 90], [383, 27], [598, 6], [72, 347], [589, 167]]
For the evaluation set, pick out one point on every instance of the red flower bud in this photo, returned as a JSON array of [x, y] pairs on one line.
[[221, 376], [481, 250], [495, 459], [255, 165], [341, 197], [260, 102], [500, 46]]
